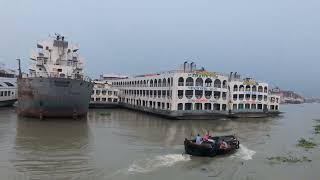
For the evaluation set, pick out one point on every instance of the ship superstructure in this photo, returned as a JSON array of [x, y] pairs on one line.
[[56, 58], [56, 85]]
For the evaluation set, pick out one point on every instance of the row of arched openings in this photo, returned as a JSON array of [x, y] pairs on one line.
[[165, 82], [250, 88], [199, 82]]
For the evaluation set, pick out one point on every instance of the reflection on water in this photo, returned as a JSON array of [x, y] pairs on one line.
[[125, 144], [48, 148], [172, 132]]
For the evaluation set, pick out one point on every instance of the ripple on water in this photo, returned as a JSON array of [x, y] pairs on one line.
[[148, 165], [68, 165], [244, 153]]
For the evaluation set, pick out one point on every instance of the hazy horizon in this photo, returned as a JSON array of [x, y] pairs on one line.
[[273, 41]]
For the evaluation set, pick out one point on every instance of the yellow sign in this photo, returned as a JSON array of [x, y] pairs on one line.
[[249, 82], [204, 74]]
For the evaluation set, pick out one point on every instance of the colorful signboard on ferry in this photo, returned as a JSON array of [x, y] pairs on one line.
[[203, 74]]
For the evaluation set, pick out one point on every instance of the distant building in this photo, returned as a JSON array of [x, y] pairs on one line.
[[289, 97]]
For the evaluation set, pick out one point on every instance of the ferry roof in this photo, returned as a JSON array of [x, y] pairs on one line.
[[114, 76]]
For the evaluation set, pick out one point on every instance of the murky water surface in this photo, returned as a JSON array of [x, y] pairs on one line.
[[133, 145]]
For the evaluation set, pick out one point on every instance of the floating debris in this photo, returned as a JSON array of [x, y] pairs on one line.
[[289, 159], [306, 144], [105, 114]]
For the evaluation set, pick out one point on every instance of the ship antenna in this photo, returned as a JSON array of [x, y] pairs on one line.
[[19, 68]]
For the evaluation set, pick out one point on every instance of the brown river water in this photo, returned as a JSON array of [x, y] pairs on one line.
[[132, 145]]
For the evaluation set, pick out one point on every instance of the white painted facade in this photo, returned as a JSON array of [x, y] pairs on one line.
[[8, 85], [196, 90], [104, 93], [249, 94]]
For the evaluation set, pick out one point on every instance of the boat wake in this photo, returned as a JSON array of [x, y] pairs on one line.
[[244, 153], [148, 165]]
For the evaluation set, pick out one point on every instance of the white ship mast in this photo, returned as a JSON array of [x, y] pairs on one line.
[[56, 57]]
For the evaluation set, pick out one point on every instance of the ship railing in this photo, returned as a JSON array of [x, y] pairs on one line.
[[57, 75]]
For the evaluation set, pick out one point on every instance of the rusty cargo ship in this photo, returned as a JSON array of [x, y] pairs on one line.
[[56, 85]]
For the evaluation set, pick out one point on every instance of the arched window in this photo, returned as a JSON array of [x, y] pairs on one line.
[[235, 88], [217, 83], [199, 94], [224, 107], [224, 84], [180, 81], [199, 82], [207, 106], [208, 82], [188, 106], [151, 83], [254, 88], [198, 106], [155, 83], [216, 106], [189, 81], [260, 89], [265, 98], [180, 106], [168, 81], [248, 88], [216, 94], [208, 94], [164, 82], [144, 83], [266, 89], [180, 94], [159, 83], [241, 88], [189, 94]]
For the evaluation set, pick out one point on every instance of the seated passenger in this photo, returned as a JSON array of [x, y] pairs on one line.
[[223, 145], [198, 139], [206, 136]]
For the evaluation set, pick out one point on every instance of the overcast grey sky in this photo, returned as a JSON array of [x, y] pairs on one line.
[[273, 40]]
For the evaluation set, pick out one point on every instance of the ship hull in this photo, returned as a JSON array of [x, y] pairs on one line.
[[53, 97], [7, 103]]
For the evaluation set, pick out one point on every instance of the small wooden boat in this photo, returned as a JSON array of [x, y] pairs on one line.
[[215, 146]]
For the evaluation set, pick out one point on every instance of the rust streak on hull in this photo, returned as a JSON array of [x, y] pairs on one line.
[[53, 97]]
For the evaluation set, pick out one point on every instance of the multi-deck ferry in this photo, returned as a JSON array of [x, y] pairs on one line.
[[8, 87], [196, 93], [104, 95]]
